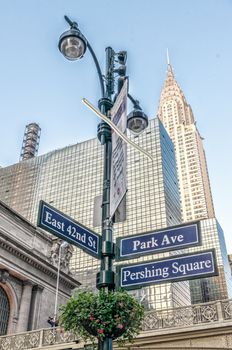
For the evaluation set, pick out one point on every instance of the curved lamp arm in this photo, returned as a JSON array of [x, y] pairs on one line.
[[135, 102], [99, 72]]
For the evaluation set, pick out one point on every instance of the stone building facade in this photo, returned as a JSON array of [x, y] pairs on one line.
[[28, 274]]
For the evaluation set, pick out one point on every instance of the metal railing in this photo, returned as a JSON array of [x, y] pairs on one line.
[[199, 314]]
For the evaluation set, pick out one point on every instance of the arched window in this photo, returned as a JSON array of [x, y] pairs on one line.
[[4, 311]]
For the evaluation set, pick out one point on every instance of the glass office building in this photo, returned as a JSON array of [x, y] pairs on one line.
[[70, 179], [219, 287]]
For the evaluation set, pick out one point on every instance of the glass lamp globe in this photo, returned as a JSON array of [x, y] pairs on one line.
[[72, 44], [137, 121]]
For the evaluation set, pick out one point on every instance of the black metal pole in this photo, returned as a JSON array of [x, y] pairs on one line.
[[105, 277]]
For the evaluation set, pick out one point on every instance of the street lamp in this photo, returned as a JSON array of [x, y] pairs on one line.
[[137, 120], [73, 45]]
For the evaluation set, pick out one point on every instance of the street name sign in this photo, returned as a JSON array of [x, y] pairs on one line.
[[62, 226], [175, 237], [173, 269]]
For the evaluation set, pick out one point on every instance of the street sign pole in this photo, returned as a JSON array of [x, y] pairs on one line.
[[106, 276], [137, 122]]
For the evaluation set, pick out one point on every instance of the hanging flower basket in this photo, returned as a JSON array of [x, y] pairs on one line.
[[116, 315]]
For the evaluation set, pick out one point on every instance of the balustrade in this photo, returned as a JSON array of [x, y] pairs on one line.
[[199, 314]]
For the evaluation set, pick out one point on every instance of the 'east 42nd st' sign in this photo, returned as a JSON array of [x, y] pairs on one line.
[[176, 237], [173, 269], [62, 226]]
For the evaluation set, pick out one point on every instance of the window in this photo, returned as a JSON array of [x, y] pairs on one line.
[[4, 311]]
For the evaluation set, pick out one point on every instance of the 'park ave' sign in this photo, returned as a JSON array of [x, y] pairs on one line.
[[176, 237], [62, 226]]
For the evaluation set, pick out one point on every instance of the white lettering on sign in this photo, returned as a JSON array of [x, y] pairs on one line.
[[57, 224], [144, 245], [91, 242], [173, 270], [72, 231], [139, 244], [172, 239], [195, 266], [146, 273], [69, 230]]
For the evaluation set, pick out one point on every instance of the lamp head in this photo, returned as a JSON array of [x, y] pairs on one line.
[[122, 57], [72, 44], [137, 121]]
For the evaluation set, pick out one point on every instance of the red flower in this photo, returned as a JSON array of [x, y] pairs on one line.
[[100, 330], [91, 318], [120, 326]]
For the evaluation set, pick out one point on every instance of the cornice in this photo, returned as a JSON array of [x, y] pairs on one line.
[[12, 215], [35, 261]]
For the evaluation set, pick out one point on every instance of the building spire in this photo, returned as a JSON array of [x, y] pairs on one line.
[[170, 70], [168, 60], [171, 87]]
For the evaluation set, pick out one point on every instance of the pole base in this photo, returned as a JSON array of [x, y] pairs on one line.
[[106, 344]]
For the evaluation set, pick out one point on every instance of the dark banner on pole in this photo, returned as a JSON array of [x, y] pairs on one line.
[[118, 181]]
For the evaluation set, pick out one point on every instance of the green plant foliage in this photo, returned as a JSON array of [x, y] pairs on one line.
[[116, 315]]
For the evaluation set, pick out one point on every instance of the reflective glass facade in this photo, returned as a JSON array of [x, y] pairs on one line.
[[70, 179], [219, 287]]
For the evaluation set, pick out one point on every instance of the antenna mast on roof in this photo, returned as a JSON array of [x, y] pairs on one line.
[[168, 60], [31, 139]]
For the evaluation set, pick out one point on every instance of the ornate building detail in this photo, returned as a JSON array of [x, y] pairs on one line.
[[4, 274], [152, 321], [37, 339], [61, 256], [28, 281], [181, 317], [211, 318], [209, 313], [5, 343], [227, 310], [56, 336]]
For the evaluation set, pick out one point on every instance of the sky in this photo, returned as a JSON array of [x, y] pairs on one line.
[[38, 85]]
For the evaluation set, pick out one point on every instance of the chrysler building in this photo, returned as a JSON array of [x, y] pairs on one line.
[[177, 117]]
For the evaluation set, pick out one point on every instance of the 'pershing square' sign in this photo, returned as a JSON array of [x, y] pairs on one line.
[[173, 269], [171, 238]]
